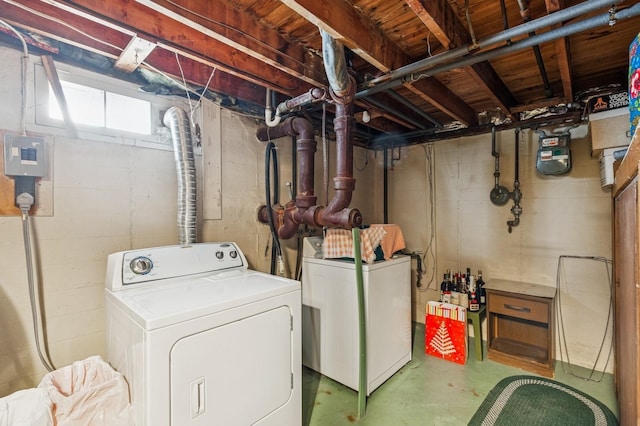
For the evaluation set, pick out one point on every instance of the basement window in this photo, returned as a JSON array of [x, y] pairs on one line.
[[100, 108]]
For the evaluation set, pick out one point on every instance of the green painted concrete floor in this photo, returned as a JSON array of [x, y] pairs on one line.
[[427, 391]]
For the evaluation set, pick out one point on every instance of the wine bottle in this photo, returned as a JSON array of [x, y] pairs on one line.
[[481, 290]]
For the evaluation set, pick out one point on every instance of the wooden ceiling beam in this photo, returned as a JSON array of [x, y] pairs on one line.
[[239, 31], [110, 41], [344, 24], [443, 22], [486, 76], [563, 53], [436, 93], [170, 34], [440, 18]]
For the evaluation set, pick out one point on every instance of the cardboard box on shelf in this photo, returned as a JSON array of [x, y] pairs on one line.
[[609, 129], [607, 102]]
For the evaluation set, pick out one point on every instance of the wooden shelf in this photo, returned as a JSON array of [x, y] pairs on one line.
[[521, 350], [521, 326]]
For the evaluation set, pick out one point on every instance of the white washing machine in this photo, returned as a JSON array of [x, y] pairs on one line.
[[203, 340], [330, 331]]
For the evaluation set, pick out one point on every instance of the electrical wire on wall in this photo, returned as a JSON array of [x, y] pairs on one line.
[[25, 199], [204, 90], [24, 63], [431, 216], [562, 337]]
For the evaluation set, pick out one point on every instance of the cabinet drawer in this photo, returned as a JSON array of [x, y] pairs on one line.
[[519, 308]]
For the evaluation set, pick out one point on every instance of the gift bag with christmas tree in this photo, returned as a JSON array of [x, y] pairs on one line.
[[446, 332]]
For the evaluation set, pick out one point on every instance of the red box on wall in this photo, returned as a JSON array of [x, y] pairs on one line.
[[446, 332]]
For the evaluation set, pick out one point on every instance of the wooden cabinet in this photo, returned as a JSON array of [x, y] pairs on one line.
[[520, 323], [626, 291]]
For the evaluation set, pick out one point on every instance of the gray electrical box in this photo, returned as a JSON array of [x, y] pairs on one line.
[[24, 156]]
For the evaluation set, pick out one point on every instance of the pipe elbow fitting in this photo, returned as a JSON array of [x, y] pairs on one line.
[[345, 218]]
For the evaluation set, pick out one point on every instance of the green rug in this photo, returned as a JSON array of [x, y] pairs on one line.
[[536, 401]]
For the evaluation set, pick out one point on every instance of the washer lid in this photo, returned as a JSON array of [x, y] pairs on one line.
[[184, 299]]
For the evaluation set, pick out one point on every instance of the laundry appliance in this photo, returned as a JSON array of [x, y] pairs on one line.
[[203, 340], [330, 330]]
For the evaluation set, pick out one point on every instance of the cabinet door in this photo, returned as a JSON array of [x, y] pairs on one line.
[[626, 302]]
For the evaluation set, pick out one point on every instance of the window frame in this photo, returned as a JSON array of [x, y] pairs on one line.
[[39, 120]]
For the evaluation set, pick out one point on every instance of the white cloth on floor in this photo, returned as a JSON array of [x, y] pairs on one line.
[[88, 393], [28, 407]]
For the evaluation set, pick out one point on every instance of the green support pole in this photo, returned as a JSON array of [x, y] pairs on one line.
[[362, 382]]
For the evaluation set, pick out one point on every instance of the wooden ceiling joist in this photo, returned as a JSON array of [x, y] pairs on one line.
[[563, 53], [345, 25], [167, 32], [443, 22], [238, 31]]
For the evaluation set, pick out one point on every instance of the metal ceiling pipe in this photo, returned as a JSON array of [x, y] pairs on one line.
[[564, 31], [522, 29], [418, 111], [303, 209], [395, 111], [314, 95], [335, 64], [290, 216], [343, 89]]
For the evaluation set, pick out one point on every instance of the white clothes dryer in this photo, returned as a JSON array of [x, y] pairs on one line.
[[203, 340]]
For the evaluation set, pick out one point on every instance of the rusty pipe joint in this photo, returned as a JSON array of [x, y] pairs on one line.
[[346, 96], [346, 218], [317, 94]]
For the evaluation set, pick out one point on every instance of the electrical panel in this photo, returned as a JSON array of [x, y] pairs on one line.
[[24, 156]]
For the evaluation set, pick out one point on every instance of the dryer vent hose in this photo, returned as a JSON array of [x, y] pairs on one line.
[[177, 121]]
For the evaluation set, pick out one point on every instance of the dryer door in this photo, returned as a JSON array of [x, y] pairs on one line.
[[235, 374]]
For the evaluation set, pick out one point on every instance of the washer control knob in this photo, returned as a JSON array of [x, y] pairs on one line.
[[141, 265], [219, 254], [233, 254]]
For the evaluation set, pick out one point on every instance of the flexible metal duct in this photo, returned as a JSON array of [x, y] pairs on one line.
[[177, 121]]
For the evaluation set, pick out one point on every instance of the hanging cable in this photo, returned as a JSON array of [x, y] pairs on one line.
[[562, 338], [472, 33], [25, 190], [271, 153], [23, 77], [430, 250]]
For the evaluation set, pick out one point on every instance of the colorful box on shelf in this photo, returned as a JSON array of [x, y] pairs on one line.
[[446, 332], [634, 84]]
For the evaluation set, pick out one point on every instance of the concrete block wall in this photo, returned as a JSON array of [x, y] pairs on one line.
[[562, 215]]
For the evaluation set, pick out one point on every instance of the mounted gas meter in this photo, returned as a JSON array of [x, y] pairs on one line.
[[554, 155]]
